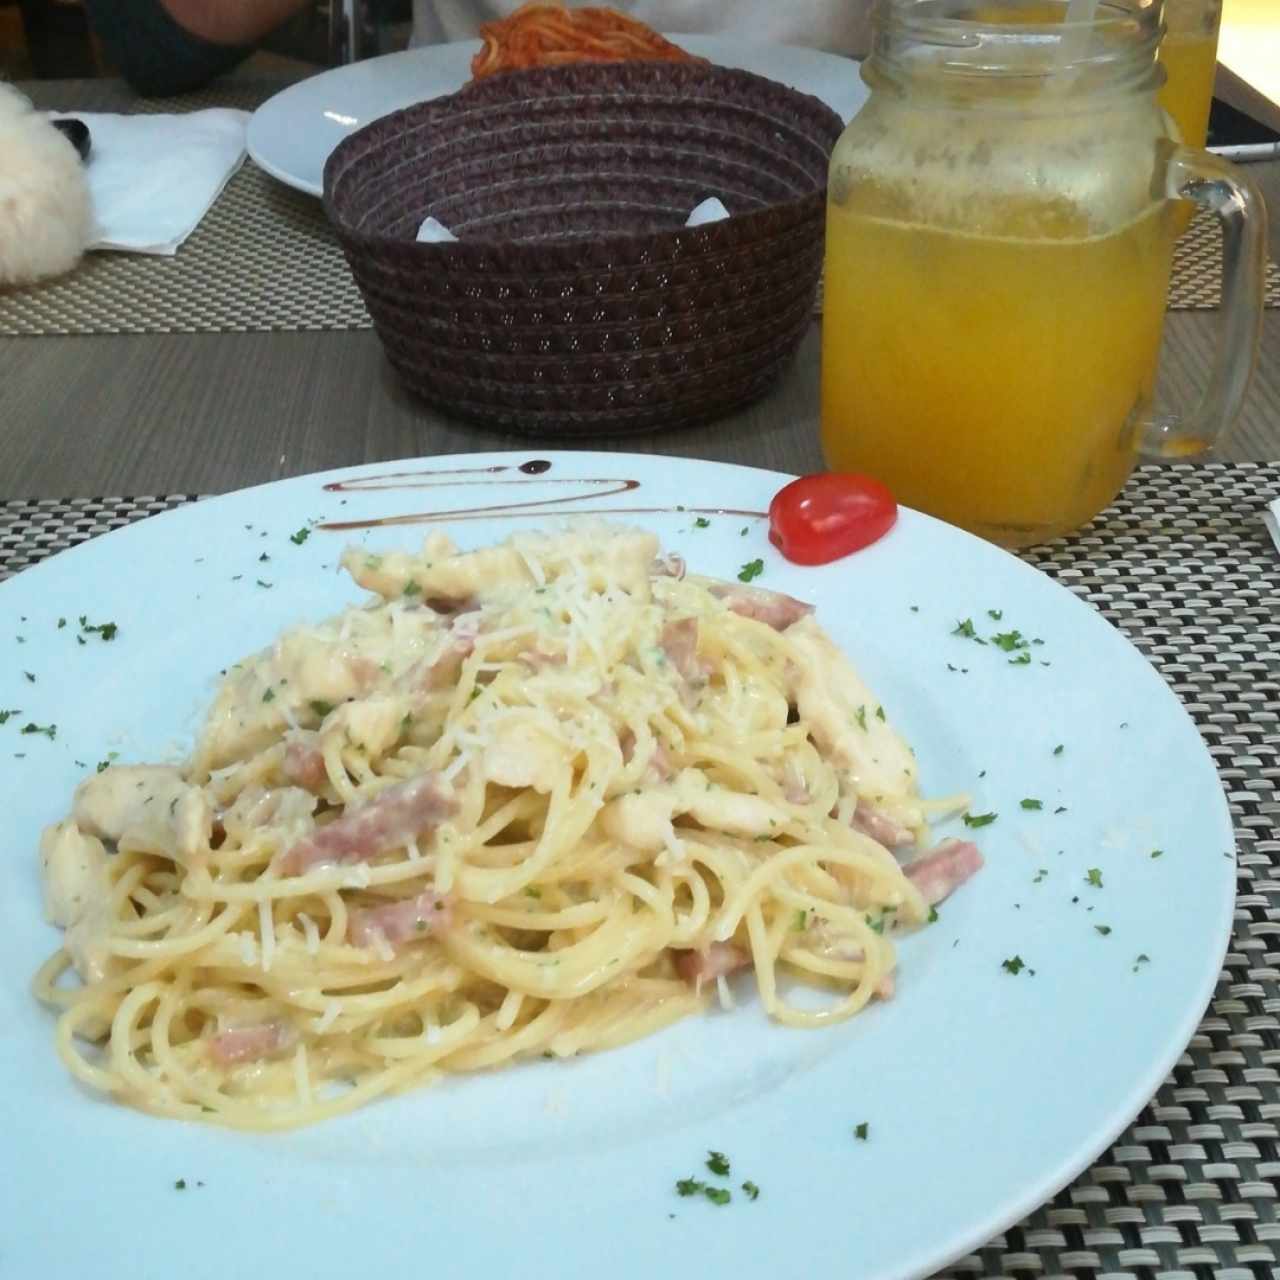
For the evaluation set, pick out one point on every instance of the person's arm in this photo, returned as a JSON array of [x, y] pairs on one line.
[[163, 47]]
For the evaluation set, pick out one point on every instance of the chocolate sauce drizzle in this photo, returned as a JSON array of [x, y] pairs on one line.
[[458, 477]]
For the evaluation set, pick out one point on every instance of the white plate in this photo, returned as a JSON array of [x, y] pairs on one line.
[[984, 1091], [292, 134]]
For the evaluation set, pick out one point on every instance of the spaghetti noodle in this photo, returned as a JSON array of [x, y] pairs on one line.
[[550, 35], [534, 799]]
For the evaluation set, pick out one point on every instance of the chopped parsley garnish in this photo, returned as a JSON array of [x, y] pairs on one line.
[[50, 731], [532, 891], [263, 558], [879, 713], [1009, 641], [1013, 964], [106, 764], [62, 622], [995, 614], [751, 1191], [966, 629], [1022, 660], [718, 1163], [269, 696], [1057, 751], [300, 537], [1032, 803], [718, 1195], [107, 630], [742, 533], [1103, 929], [689, 1186], [1040, 875], [979, 819], [861, 717], [1141, 960], [266, 586], [752, 569], [1062, 808], [932, 917], [5, 715], [180, 1185], [30, 677], [320, 707], [412, 588], [862, 1131], [801, 922], [1094, 877], [702, 523], [1157, 853]]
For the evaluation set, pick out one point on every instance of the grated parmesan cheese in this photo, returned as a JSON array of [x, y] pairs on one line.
[[267, 928], [310, 933]]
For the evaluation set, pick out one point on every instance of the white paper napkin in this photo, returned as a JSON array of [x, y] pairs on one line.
[[711, 210], [152, 178], [1271, 518]]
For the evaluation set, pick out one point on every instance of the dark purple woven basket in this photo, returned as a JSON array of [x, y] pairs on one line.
[[575, 301]]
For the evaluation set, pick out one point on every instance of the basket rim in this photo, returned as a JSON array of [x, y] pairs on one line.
[[670, 239]]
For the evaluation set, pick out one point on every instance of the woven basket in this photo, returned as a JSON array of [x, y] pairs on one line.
[[575, 302]]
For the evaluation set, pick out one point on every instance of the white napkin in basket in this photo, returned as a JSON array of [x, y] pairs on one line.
[[153, 177], [711, 210]]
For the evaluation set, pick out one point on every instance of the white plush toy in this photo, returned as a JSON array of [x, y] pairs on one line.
[[46, 216]]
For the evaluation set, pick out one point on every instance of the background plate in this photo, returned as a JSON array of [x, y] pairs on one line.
[[291, 135]]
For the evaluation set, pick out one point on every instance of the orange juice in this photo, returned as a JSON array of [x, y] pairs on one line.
[[1001, 379], [1190, 60]]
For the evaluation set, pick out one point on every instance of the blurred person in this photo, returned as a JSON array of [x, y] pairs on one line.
[[163, 47]]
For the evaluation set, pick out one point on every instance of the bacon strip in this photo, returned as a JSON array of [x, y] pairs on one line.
[[421, 917], [393, 817], [944, 869], [680, 644], [252, 1044], [304, 763], [718, 961], [773, 608]]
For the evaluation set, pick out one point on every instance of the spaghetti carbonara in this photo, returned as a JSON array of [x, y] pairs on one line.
[[534, 799]]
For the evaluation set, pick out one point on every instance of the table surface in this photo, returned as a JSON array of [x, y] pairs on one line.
[[207, 413]]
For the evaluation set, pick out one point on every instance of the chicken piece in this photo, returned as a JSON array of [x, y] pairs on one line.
[[287, 810], [644, 820], [439, 571], [523, 753], [147, 807], [303, 668], [372, 725], [841, 713], [394, 816], [398, 922], [944, 869], [73, 869]]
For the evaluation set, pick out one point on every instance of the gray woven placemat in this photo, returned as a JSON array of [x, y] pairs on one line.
[[1182, 564], [265, 260]]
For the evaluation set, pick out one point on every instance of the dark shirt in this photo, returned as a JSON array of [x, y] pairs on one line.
[[155, 54]]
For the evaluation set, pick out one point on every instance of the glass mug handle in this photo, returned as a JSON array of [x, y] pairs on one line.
[[1217, 185]]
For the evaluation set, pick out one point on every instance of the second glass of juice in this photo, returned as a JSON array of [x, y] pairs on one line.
[[1189, 55]]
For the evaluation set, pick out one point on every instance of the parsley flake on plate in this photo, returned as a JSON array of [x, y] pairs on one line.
[[751, 1191], [979, 819], [752, 569], [300, 537], [1031, 803], [702, 523], [862, 1131], [1094, 877], [1013, 964], [718, 1163]]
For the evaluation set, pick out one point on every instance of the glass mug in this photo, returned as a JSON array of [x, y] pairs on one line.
[[1000, 225]]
